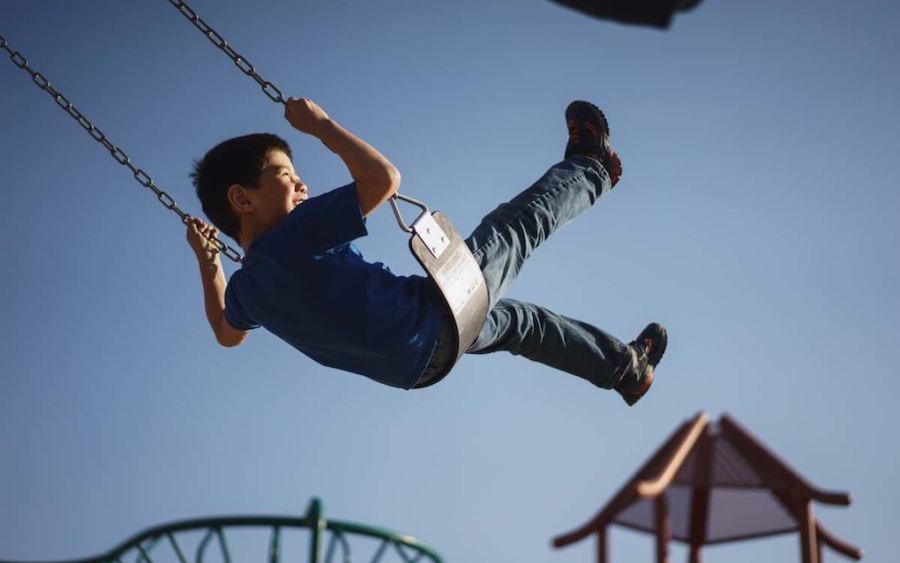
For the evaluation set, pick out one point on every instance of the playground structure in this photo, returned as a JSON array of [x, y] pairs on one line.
[[713, 484], [207, 537], [708, 484]]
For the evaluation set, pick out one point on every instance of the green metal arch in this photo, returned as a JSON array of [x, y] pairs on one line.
[[142, 547]]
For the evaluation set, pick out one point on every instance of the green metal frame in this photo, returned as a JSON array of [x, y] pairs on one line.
[[142, 547]]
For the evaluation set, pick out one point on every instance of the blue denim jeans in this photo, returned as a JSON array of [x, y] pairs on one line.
[[506, 238]]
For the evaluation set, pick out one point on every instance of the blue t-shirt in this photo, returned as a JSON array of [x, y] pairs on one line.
[[309, 285]]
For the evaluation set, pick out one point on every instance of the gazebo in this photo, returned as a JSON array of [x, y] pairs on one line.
[[713, 484]]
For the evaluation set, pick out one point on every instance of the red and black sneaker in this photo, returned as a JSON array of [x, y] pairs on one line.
[[589, 136], [648, 349]]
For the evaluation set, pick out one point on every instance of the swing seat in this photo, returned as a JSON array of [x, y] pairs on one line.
[[443, 253]]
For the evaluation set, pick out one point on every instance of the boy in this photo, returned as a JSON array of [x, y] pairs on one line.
[[304, 280]]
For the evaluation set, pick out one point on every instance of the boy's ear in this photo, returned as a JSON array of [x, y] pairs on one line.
[[237, 197]]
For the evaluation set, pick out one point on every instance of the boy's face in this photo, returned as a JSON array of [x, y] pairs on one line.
[[280, 190]]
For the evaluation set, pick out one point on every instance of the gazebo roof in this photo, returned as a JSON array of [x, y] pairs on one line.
[[719, 484]]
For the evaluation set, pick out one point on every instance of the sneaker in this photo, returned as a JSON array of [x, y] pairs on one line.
[[589, 136], [648, 349]]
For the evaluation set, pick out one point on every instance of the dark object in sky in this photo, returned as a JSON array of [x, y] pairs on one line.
[[656, 13]]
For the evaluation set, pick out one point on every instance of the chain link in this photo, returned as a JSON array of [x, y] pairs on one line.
[[118, 154], [268, 88]]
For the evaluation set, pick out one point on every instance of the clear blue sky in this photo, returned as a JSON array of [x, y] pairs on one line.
[[757, 218]]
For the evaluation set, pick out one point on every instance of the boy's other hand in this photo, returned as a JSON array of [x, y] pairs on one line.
[[305, 115], [198, 235]]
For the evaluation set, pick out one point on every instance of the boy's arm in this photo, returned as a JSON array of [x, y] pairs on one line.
[[212, 276], [376, 178]]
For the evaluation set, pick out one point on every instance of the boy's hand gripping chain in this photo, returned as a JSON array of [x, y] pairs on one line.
[[118, 154]]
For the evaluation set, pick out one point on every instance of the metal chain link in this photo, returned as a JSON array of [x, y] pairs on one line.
[[268, 88], [118, 154]]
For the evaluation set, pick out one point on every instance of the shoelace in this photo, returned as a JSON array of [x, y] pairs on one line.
[[605, 155], [573, 131]]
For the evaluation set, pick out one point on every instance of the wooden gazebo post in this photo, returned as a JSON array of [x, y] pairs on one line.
[[700, 495], [663, 527], [809, 543], [602, 545]]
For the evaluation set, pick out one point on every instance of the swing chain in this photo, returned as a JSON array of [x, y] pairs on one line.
[[268, 88], [118, 154]]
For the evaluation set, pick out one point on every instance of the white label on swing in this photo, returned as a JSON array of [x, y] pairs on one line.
[[459, 277], [431, 234]]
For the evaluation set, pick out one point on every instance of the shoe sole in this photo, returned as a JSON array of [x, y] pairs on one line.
[[604, 124]]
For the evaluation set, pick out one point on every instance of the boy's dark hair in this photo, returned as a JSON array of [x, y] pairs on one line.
[[235, 161]]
